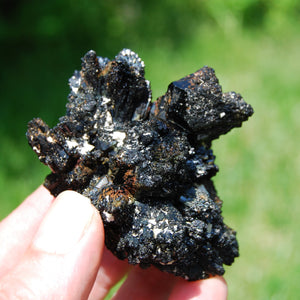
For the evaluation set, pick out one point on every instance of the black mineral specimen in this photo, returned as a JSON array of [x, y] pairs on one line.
[[146, 167]]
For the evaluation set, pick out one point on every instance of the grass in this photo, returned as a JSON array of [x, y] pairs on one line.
[[259, 163]]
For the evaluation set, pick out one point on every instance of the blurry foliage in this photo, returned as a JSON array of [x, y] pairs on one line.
[[53, 33], [67, 22]]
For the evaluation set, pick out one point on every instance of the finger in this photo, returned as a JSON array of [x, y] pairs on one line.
[[146, 284], [19, 228], [214, 288], [65, 254], [111, 271]]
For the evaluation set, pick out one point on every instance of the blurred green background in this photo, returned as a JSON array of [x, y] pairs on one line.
[[254, 46]]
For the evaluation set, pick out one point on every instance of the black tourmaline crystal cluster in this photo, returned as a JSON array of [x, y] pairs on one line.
[[146, 167]]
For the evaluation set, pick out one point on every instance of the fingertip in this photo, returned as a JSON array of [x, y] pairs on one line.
[[205, 289], [218, 283], [63, 260], [76, 202], [41, 191], [73, 195], [146, 284], [66, 223]]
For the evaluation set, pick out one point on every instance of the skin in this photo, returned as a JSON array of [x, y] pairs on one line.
[[53, 248]]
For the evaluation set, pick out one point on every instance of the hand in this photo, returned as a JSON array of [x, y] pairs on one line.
[[54, 249]]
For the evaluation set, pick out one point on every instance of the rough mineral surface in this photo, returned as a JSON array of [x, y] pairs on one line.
[[146, 167]]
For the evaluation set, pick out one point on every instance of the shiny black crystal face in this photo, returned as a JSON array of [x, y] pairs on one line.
[[146, 167]]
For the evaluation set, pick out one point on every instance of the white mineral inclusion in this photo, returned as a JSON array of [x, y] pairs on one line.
[[105, 100], [85, 148], [82, 149], [104, 181], [156, 232], [134, 58], [36, 150], [127, 52], [152, 221], [152, 224], [76, 84], [50, 139], [109, 217], [108, 121], [203, 191], [74, 89], [71, 143], [119, 136]]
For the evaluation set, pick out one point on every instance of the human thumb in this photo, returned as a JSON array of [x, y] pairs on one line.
[[64, 257]]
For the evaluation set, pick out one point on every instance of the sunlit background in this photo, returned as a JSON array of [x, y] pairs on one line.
[[254, 47]]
